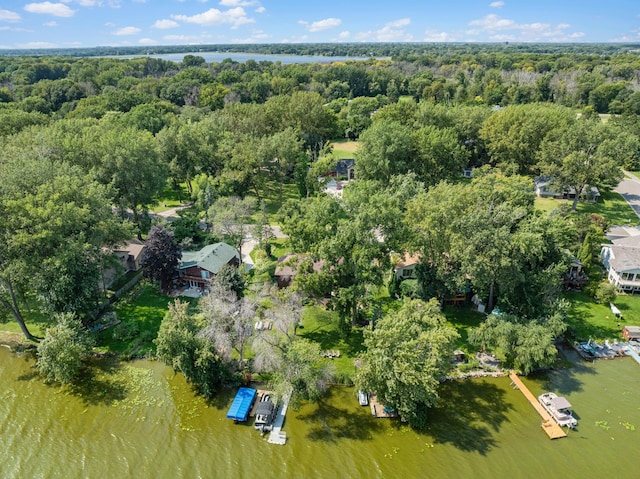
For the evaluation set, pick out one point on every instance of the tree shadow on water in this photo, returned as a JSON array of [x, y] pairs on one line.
[[469, 415], [101, 383], [332, 423]]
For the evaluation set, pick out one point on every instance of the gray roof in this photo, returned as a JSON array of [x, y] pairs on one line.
[[633, 330], [618, 232], [211, 258], [624, 258]]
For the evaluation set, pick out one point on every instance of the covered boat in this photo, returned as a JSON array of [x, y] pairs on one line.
[[363, 398], [559, 408], [241, 405], [265, 413]]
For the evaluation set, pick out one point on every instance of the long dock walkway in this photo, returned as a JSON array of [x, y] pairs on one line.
[[552, 428], [278, 436]]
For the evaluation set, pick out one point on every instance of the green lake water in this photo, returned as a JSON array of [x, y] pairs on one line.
[[139, 420]]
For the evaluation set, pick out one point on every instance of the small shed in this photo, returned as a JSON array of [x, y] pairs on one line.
[[631, 333]]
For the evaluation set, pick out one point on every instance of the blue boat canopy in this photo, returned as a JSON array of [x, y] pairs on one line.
[[241, 404]]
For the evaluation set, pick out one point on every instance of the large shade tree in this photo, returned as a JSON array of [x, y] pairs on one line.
[[405, 358]]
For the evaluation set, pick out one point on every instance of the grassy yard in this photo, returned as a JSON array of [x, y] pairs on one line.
[[610, 206], [589, 320], [463, 319], [142, 311], [344, 148], [321, 326], [169, 199], [271, 193]]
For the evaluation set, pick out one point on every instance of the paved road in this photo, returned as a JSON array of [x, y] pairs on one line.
[[629, 189]]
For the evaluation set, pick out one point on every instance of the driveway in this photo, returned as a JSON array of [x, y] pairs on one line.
[[629, 189]]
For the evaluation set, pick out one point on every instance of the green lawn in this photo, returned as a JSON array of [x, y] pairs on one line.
[[321, 326], [589, 320], [463, 318], [611, 206], [144, 307], [344, 148], [169, 199], [271, 199]]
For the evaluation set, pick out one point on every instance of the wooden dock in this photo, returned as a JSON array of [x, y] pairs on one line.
[[552, 428], [377, 409]]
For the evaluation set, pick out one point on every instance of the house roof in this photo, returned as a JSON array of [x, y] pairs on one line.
[[542, 181], [408, 260], [343, 166], [133, 247], [211, 258], [288, 264], [623, 257], [618, 232]]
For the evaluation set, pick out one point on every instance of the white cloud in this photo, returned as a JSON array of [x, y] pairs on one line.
[[257, 36], [48, 8], [89, 3], [496, 4], [50, 24], [147, 41], [434, 36], [235, 17], [165, 24], [390, 32], [325, 24], [503, 29], [37, 45], [261, 9], [126, 31], [238, 3], [343, 35], [9, 16]]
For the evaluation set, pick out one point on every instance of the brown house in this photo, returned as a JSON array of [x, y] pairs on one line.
[[287, 268], [198, 267]]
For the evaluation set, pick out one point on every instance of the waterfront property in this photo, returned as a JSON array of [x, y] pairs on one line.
[[622, 261], [241, 405], [196, 268]]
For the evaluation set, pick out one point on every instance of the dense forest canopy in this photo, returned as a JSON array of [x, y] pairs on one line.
[[89, 145]]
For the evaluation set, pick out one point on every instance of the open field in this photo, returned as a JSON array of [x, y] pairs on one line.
[[344, 148]]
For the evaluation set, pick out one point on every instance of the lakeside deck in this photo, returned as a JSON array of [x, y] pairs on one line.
[[377, 409], [549, 426]]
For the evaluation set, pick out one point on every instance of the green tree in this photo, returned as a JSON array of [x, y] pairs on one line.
[[406, 356], [180, 345], [386, 149], [584, 155], [513, 135], [61, 352], [526, 345]]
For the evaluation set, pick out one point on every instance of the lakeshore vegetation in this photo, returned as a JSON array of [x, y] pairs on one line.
[[93, 148]]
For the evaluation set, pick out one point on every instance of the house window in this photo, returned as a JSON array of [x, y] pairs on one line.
[[627, 276], [406, 273], [205, 274]]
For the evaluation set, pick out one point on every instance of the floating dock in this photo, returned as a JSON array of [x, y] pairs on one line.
[[553, 430], [378, 410], [278, 436]]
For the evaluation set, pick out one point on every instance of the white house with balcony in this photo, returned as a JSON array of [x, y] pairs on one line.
[[622, 261]]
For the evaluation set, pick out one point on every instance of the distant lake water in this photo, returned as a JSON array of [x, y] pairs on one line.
[[212, 57]]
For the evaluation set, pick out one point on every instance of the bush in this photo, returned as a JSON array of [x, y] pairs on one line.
[[410, 288], [61, 352], [126, 331], [605, 293]]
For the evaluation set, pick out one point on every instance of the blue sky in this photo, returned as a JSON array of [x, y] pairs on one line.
[[87, 23]]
